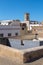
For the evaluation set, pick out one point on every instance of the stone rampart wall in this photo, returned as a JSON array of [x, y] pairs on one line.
[[21, 55]]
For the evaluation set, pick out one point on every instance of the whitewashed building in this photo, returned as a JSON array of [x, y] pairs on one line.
[[10, 28], [13, 28]]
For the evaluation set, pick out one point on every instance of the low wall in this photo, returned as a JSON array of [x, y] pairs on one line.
[[8, 52], [21, 55], [32, 54], [16, 43]]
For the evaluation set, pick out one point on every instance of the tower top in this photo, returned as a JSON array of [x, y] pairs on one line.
[[26, 17]]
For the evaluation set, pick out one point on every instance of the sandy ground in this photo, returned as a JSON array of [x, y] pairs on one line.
[[8, 61]]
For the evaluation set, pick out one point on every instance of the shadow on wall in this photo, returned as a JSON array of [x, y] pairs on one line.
[[32, 59], [5, 41]]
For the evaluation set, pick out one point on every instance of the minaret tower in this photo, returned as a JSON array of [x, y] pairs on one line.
[[27, 20], [27, 17]]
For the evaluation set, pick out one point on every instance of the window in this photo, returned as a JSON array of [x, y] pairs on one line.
[[9, 34], [1, 35], [22, 28], [16, 34]]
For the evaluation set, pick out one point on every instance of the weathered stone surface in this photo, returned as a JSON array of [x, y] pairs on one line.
[[32, 54], [21, 56], [11, 53]]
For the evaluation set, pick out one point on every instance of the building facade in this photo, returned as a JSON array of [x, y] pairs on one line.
[[12, 28]]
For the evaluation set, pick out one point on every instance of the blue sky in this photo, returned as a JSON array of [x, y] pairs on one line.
[[15, 9]]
